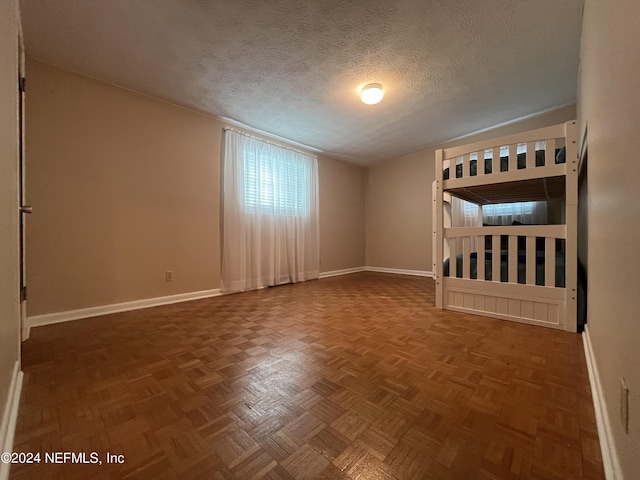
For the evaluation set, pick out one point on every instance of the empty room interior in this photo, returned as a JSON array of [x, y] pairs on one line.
[[340, 239]]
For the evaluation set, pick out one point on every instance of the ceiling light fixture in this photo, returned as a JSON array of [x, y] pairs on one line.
[[372, 93]]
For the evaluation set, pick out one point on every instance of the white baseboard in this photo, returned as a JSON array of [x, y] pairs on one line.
[[399, 271], [344, 271], [10, 417], [59, 317], [610, 461]]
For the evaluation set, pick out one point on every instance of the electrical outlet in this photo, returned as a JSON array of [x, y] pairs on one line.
[[624, 405], [168, 276]]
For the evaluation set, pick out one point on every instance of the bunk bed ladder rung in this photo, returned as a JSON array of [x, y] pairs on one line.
[[531, 261], [495, 160], [466, 164], [550, 262], [495, 258], [513, 158], [453, 255], [466, 257], [550, 152], [531, 154], [480, 260], [513, 259]]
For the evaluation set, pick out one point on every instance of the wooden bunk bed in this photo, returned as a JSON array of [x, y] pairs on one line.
[[529, 272]]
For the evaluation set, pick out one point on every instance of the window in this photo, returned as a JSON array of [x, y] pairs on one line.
[[270, 214], [522, 212], [278, 186], [509, 209], [504, 213]]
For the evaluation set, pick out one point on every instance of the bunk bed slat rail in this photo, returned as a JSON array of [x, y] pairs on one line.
[[555, 131], [469, 167], [509, 159], [513, 255]]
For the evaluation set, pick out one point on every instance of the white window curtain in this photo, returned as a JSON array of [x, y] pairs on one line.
[[270, 214], [465, 214]]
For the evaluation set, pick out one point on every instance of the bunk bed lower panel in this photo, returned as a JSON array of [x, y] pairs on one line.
[[530, 304]]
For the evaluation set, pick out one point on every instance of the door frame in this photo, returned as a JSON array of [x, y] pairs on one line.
[[22, 183]]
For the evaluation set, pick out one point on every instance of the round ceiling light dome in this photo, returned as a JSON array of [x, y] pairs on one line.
[[372, 93]]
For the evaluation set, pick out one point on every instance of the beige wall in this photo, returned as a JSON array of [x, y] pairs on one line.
[[126, 187], [123, 188], [399, 213], [9, 256], [609, 108], [341, 215], [399, 200]]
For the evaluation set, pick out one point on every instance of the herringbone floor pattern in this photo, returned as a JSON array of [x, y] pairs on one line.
[[354, 377]]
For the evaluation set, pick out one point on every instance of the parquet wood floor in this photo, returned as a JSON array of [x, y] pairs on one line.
[[354, 377]]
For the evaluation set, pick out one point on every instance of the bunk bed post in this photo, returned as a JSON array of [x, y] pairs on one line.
[[571, 243], [438, 227]]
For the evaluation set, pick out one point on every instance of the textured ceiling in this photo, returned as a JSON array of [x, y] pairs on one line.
[[293, 68]]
